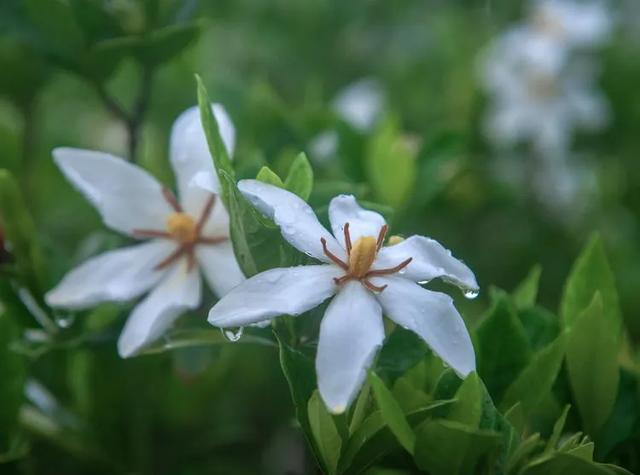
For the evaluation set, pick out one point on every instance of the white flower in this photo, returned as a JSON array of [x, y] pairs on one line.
[[360, 104], [541, 107], [367, 280], [574, 23], [183, 237]]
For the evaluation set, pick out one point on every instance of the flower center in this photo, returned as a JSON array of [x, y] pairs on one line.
[[182, 228], [361, 256]]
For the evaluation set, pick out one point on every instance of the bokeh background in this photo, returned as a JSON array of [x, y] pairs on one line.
[[278, 68]]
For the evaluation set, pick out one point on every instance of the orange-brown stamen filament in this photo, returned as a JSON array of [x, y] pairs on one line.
[[184, 230], [361, 256]]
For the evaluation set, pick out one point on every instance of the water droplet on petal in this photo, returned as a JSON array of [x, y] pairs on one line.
[[232, 334], [65, 321], [470, 293]]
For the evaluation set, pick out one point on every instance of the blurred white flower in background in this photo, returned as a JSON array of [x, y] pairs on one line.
[[360, 105], [541, 80]]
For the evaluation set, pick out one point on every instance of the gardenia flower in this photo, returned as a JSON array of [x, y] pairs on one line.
[[541, 107], [366, 279], [183, 236]]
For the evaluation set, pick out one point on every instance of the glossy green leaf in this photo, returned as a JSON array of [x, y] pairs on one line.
[[592, 364], [535, 381], [373, 438], [540, 325], [392, 413], [564, 463], [468, 407], [266, 175], [524, 296], [324, 432], [450, 448], [221, 160], [300, 177], [558, 427], [501, 345], [591, 272]]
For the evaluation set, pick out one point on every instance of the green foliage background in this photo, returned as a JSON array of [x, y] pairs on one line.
[[558, 364]]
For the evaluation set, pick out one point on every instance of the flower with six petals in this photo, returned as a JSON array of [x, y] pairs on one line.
[[182, 236], [366, 279]]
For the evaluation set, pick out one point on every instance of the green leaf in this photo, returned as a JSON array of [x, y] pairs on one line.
[[60, 35], [163, 44], [558, 427], [324, 432], [266, 175], [624, 416], [540, 325], [12, 376], [592, 364], [21, 232], [524, 296], [526, 448], [300, 374], [402, 350], [300, 177], [450, 448], [502, 346], [373, 439], [591, 272], [565, 463], [257, 246], [468, 407], [536, 380], [392, 413], [391, 164], [221, 160]]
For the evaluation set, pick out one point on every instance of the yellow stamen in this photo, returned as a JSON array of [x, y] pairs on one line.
[[182, 228], [363, 253], [393, 240]]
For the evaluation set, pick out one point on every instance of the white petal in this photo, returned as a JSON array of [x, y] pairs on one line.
[[360, 104], [430, 260], [190, 156], [362, 222], [282, 291], [433, 317], [351, 333], [117, 275], [220, 268], [297, 221], [126, 196], [180, 290]]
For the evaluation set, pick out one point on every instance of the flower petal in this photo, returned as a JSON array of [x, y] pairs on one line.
[[126, 196], [362, 222], [282, 291], [430, 260], [297, 221], [117, 275], [433, 317], [350, 334], [180, 290], [220, 267], [190, 155]]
